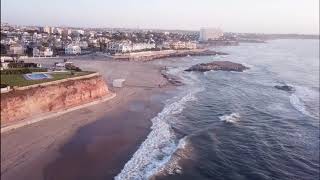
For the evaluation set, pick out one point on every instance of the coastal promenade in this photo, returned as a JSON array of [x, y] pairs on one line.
[[152, 55]]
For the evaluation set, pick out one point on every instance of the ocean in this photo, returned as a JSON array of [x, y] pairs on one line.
[[237, 125]]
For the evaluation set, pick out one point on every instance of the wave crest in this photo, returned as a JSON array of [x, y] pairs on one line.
[[231, 118], [301, 96], [160, 144]]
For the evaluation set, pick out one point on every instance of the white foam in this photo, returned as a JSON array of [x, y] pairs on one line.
[[183, 151], [247, 65], [302, 95], [209, 73], [160, 144], [231, 118]]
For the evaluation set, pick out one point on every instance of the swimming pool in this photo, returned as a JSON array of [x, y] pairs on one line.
[[37, 76]]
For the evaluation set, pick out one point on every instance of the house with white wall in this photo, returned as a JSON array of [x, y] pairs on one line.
[[72, 49]]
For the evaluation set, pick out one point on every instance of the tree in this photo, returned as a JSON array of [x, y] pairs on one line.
[[29, 51], [102, 45], [3, 49]]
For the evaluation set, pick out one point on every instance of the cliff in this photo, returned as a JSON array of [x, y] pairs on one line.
[[30, 101]]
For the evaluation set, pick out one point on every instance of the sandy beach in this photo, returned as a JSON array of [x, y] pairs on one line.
[[93, 142]]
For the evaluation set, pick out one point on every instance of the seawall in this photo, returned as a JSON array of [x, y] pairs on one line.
[[55, 96], [151, 55]]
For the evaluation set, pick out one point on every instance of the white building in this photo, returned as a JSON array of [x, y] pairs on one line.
[[72, 50], [210, 34], [143, 46], [47, 29], [183, 45], [42, 52], [128, 46], [164, 45], [16, 49], [36, 36], [57, 31], [94, 42], [77, 32], [66, 32], [119, 47], [4, 64], [61, 65], [83, 44], [191, 45]]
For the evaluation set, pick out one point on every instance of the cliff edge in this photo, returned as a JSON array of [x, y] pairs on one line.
[[50, 97]]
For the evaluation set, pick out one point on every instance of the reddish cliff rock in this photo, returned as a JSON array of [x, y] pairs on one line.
[[20, 104]]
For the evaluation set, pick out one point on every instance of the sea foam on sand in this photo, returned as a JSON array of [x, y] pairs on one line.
[[161, 142]]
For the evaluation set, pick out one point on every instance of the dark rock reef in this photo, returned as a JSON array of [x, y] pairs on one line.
[[285, 88], [174, 80], [218, 65]]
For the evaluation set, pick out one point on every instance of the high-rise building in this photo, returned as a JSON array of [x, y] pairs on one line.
[[207, 34], [46, 29]]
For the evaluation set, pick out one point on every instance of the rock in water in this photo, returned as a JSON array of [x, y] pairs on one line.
[[285, 88], [218, 65]]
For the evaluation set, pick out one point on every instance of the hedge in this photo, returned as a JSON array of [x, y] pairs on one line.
[[22, 70]]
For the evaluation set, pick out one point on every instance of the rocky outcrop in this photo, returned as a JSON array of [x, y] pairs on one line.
[[286, 88], [218, 65], [20, 104], [174, 80]]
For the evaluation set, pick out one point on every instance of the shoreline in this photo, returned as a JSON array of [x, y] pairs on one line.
[[100, 149], [25, 154]]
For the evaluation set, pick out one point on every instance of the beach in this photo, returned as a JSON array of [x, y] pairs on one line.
[[93, 142], [216, 125]]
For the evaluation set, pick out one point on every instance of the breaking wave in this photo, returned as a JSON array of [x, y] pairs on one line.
[[160, 144], [231, 118], [184, 151], [247, 65], [304, 96]]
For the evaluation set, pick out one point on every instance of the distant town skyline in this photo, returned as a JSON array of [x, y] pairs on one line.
[[252, 16]]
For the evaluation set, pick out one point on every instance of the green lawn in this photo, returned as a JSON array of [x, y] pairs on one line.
[[19, 80]]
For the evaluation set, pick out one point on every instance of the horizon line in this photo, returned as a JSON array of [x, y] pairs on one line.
[[139, 28]]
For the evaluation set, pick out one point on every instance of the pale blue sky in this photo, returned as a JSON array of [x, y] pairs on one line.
[[267, 16]]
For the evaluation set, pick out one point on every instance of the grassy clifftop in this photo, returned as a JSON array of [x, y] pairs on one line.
[[19, 80]]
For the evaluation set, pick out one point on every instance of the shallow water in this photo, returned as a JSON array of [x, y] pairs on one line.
[[230, 125]]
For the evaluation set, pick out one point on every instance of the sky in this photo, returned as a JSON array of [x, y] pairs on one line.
[[252, 16]]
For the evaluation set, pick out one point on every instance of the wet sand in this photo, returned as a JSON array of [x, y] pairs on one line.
[[90, 143], [101, 149]]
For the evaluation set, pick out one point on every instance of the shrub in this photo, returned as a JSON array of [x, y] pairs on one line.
[[78, 69], [22, 65], [3, 85], [72, 67], [38, 69]]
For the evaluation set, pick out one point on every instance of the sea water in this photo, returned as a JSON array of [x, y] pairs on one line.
[[237, 125]]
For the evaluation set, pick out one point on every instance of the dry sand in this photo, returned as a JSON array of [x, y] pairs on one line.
[[90, 143]]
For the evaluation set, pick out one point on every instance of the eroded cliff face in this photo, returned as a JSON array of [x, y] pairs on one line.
[[21, 104]]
